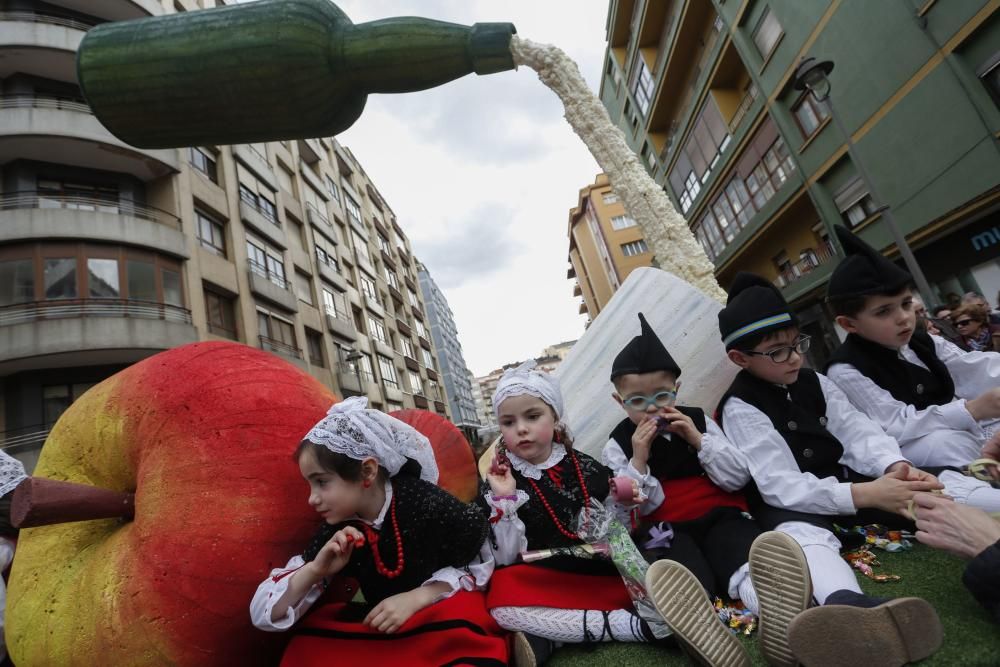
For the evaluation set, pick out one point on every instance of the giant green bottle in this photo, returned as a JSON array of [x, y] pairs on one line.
[[269, 70]]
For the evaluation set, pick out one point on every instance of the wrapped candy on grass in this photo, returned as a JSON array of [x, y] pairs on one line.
[[597, 525], [864, 561], [735, 617]]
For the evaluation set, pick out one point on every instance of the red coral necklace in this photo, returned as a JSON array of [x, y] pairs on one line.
[[548, 508], [373, 538]]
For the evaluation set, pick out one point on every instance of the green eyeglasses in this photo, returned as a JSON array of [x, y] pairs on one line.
[[780, 355], [661, 399]]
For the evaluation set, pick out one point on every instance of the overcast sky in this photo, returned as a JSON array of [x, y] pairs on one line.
[[482, 172]]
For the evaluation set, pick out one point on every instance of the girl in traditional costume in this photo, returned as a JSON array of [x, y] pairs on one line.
[[414, 549]]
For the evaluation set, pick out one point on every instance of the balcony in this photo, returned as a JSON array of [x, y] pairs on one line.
[[331, 273], [341, 326], [403, 327], [409, 282], [383, 348], [313, 179], [424, 343], [812, 270], [373, 305], [113, 10], [317, 219], [396, 295], [440, 407], [310, 150], [40, 215], [271, 287], [83, 332], [40, 44], [420, 402], [417, 313], [53, 129], [290, 352], [392, 391], [431, 374], [577, 290], [349, 380], [411, 363], [263, 222], [255, 161]]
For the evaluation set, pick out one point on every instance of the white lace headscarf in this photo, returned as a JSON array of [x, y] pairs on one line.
[[11, 473], [526, 380], [355, 431]]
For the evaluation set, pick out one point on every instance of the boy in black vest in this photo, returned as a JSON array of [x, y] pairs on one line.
[[814, 459], [691, 476], [940, 403]]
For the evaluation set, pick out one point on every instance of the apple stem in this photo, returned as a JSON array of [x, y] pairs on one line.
[[39, 501]]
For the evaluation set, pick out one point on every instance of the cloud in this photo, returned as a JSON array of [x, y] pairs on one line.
[[472, 249]]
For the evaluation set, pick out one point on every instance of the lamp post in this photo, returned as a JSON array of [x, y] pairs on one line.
[[812, 75]]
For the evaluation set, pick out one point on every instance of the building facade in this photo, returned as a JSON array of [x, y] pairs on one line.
[[704, 91], [605, 245], [451, 361], [110, 253]]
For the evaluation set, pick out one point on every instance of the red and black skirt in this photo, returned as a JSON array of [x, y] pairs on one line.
[[538, 586], [455, 631]]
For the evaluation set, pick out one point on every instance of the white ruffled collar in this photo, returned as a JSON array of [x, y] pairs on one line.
[[380, 519], [532, 470]]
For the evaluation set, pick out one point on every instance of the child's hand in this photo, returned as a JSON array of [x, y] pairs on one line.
[[392, 612], [683, 426], [991, 450], [985, 406], [500, 478], [334, 555], [904, 471], [891, 492], [642, 440]]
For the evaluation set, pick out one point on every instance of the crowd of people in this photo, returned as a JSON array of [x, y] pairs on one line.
[[966, 321]]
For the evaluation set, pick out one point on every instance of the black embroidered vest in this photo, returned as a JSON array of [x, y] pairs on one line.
[[907, 382], [798, 413], [670, 457]]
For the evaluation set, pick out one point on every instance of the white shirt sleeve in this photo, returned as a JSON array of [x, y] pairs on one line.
[[508, 529], [900, 420], [973, 372], [270, 591], [472, 577], [725, 464], [613, 457], [771, 464], [867, 448]]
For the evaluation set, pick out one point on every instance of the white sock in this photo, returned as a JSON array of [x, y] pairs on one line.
[[566, 625], [829, 572], [970, 491]]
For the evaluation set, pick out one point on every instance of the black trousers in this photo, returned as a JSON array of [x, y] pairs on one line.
[[713, 546]]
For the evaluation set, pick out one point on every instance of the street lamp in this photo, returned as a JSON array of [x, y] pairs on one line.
[[813, 75]]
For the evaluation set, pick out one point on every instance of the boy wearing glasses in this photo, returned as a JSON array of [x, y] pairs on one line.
[[693, 524], [940, 403], [814, 460]]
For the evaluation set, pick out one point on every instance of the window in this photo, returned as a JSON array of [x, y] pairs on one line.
[[428, 358], [421, 329], [314, 344], [211, 233], [383, 244], [17, 281], [377, 330], [767, 33], [303, 288], [141, 280], [413, 298], [610, 198], [171, 287], [278, 333], [416, 384], [57, 398], [707, 140], [642, 84], [407, 347], [261, 203], [286, 180], [78, 196], [266, 262], [102, 278], [361, 247], [810, 114], [353, 210], [390, 277], [622, 222], [335, 304], [368, 288], [60, 277], [220, 314], [990, 76], [327, 257], [634, 248], [204, 161], [365, 369], [332, 188], [316, 204], [388, 371]]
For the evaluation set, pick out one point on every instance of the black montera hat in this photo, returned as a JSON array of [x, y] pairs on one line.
[[644, 354], [864, 271], [755, 306]]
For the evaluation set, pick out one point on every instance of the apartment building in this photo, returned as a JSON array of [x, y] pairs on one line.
[[705, 91]]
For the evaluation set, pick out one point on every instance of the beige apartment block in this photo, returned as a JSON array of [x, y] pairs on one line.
[[110, 253], [605, 245]]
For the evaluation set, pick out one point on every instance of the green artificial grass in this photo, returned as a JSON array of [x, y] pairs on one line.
[[971, 639]]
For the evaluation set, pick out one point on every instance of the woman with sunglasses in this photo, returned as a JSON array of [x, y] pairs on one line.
[[973, 324]]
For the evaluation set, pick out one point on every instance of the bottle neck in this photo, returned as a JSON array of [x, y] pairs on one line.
[[402, 55]]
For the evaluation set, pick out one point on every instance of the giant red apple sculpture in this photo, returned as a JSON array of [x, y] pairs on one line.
[[203, 434]]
